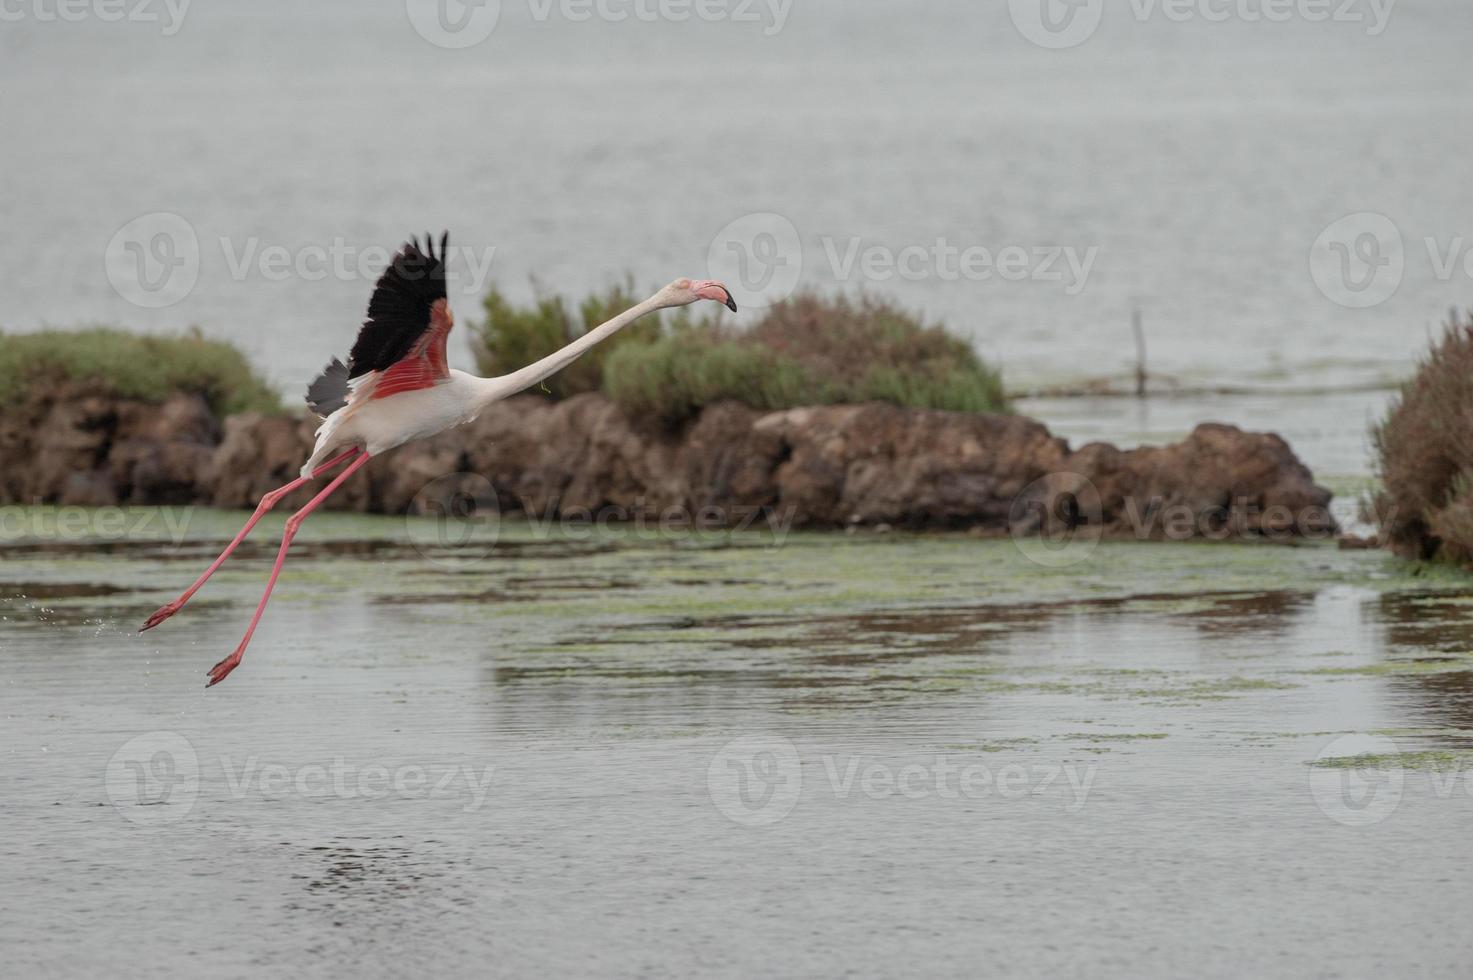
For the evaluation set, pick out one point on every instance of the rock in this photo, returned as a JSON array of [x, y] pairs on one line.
[[44, 441], [1216, 482], [88, 488], [726, 457], [415, 473], [839, 466], [257, 453], [159, 453], [876, 463]]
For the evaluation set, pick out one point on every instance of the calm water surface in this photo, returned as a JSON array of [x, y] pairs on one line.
[[1200, 160], [626, 756]]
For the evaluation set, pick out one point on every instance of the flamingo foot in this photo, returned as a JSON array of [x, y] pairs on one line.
[[222, 669], [162, 613]]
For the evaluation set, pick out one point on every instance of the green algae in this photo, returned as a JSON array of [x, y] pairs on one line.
[[1117, 736], [1401, 667], [813, 621], [1438, 760]]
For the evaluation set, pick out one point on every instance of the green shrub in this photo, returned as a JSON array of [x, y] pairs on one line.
[[133, 366], [1424, 455], [674, 377], [512, 337], [874, 351], [808, 350]]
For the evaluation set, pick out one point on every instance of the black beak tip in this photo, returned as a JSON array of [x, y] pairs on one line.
[[730, 303]]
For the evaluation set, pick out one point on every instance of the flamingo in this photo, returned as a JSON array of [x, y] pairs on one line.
[[398, 387]]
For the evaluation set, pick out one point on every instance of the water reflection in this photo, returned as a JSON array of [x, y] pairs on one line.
[[1432, 633], [1428, 620], [601, 695]]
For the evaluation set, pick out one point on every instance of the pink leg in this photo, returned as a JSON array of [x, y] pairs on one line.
[[222, 669], [268, 501]]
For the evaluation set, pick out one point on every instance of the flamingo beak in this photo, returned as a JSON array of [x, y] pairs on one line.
[[713, 290]]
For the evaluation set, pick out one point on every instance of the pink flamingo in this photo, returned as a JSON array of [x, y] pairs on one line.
[[397, 387]]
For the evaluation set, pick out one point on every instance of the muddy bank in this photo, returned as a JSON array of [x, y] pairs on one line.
[[828, 466]]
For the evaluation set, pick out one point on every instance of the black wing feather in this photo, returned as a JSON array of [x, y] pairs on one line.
[[329, 392], [399, 310]]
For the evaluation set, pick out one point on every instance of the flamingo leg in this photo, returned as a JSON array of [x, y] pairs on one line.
[[222, 669], [268, 501]]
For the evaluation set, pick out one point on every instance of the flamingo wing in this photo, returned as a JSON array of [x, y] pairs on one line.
[[329, 391], [409, 320], [401, 346]]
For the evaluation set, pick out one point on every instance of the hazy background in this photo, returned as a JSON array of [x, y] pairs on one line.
[[1200, 159]]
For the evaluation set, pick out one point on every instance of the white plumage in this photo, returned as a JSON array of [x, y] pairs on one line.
[[397, 387]]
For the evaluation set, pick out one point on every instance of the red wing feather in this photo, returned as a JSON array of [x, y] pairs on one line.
[[408, 317], [426, 365]]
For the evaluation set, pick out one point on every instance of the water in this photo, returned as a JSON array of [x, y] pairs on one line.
[[1201, 160], [620, 755], [530, 760]]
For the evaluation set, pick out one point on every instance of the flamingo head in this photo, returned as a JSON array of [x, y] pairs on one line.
[[683, 292]]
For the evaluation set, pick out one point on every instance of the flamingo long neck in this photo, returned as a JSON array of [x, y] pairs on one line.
[[495, 389]]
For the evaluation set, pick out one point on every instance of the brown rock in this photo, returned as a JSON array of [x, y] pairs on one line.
[[257, 453], [160, 453], [1219, 480], [843, 465], [870, 464]]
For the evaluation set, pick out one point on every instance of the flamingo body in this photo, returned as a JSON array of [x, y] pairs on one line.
[[397, 387], [377, 425]]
